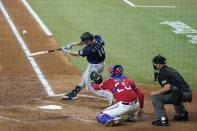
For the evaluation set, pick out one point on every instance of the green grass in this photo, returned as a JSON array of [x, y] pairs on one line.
[[132, 35]]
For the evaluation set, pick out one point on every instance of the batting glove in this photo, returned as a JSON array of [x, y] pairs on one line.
[[65, 50], [69, 46]]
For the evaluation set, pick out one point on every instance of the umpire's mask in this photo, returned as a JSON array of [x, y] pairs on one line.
[[157, 60]]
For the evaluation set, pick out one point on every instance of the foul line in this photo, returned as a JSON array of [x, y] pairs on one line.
[[27, 52], [146, 6], [129, 3], [85, 96], [40, 22]]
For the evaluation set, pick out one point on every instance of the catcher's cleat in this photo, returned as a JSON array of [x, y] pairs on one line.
[[133, 117], [114, 122]]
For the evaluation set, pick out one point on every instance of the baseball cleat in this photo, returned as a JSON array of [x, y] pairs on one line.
[[70, 96], [65, 97], [73, 94], [133, 117], [160, 122], [114, 122], [181, 117]]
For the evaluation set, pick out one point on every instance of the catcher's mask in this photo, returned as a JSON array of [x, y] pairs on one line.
[[116, 70], [86, 36]]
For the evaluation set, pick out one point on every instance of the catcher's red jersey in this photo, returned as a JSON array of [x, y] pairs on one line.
[[123, 90]]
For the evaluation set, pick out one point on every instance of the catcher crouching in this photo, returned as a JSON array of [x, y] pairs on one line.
[[129, 98]]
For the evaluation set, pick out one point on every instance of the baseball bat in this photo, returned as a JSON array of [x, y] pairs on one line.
[[44, 52]]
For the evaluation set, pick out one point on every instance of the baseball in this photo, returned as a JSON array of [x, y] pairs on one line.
[[24, 31]]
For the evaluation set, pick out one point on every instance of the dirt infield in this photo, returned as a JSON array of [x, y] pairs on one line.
[[22, 93]]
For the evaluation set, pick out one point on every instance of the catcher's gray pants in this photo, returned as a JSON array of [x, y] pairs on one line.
[[87, 82], [158, 102]]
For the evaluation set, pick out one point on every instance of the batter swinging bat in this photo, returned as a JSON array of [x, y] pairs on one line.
[[44, 52]]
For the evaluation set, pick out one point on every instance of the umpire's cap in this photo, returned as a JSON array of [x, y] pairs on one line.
[[159, 60], [86, 36]]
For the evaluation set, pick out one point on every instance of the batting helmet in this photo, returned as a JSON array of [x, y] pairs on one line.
[[159, 60], [86, 36], [116, 70]]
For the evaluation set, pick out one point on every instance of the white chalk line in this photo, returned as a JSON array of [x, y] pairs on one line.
[[83, 95], [37, 18], [129, 3], [22, 43], [146, 6]]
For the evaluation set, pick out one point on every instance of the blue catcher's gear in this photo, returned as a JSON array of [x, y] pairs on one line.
[[103, 118], [116, 72]]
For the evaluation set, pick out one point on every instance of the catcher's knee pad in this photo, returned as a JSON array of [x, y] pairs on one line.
[[103, 118]]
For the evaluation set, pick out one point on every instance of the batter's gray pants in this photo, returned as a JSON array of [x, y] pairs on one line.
[[86, 81]]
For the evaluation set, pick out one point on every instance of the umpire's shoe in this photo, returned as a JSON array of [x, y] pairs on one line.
[[181, 116], [73, 94], [163, 121]]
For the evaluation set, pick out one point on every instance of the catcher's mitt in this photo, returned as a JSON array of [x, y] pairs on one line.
[[96, 77]]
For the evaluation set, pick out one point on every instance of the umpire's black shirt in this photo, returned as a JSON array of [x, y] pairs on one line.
[[168, 75]]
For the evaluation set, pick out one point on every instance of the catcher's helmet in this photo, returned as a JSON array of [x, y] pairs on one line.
[[86, 36], [159, 60], [116, 70]]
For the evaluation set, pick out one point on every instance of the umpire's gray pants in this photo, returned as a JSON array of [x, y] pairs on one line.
[[158, 102]]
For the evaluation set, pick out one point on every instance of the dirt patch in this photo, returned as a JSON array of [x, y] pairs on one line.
[[22, 93]]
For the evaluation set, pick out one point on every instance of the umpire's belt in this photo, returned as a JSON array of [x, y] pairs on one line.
[[129, 103]]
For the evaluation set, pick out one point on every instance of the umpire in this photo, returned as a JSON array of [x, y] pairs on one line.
[[174, 91]]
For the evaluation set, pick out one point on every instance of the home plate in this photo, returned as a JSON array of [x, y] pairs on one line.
[[51, 107]]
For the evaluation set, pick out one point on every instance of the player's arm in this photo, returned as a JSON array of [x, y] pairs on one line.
[[96, 86], [84, 52], [75, 43], [163, 90], [138, 92], [164, 82], [102, 86], [73, 53], [140, 95]]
